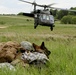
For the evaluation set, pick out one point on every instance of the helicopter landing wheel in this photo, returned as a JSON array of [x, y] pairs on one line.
[[51, 28], [35, 25]]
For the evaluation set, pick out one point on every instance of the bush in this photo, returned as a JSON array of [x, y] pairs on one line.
[[21, 13], [66, 19], [73, 20], [2, 22]]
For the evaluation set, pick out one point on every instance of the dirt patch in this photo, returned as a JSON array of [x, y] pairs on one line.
[[1, 27]]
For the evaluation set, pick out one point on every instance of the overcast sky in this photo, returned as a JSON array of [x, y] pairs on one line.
[[15, 6]]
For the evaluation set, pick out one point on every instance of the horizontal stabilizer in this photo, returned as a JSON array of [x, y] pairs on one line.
[[28, 14]]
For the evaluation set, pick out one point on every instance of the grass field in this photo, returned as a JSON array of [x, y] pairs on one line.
[[61, 42]]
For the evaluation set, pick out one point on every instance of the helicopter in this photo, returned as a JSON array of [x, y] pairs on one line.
[[42, 17]]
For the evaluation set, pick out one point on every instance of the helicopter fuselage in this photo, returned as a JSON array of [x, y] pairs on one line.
[[44, 18]]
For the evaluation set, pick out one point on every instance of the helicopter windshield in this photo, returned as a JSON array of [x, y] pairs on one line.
[[46, 17]]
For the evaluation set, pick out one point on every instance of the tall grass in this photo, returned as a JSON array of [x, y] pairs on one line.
[[61, 42]]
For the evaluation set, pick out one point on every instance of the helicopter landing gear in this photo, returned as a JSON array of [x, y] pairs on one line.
[[35, 27], [51, 28], [36, 23]]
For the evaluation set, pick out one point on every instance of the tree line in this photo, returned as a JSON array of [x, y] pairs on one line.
[[66, 17]]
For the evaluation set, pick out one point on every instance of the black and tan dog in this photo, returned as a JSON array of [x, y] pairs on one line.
[[42, 49]]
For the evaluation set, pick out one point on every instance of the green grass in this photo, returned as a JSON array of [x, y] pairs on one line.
[[61, 42]]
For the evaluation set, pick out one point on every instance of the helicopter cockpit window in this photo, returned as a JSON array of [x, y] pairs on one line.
[[46, 17]]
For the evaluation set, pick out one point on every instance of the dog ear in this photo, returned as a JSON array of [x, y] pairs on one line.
[[34, 45], [42, 45]]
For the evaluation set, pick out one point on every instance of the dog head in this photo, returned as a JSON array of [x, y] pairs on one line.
[[41, 49]]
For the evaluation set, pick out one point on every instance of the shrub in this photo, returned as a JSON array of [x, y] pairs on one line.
[[73, 20], [66, 19], [2, 22], [21, 13]]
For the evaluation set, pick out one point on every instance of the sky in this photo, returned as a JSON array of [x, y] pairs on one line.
[[16, 6]]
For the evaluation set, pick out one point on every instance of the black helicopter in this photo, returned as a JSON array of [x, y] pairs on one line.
[[42, 17]]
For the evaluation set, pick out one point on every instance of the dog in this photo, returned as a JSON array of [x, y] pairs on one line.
[[41, 49]]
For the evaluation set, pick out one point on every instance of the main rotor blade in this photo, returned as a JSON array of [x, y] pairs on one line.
[[27, 2], [51, 4], [47, 6], [34, 3], [63, 9]]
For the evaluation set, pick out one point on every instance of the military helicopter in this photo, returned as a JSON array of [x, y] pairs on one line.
[[42, 17]]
